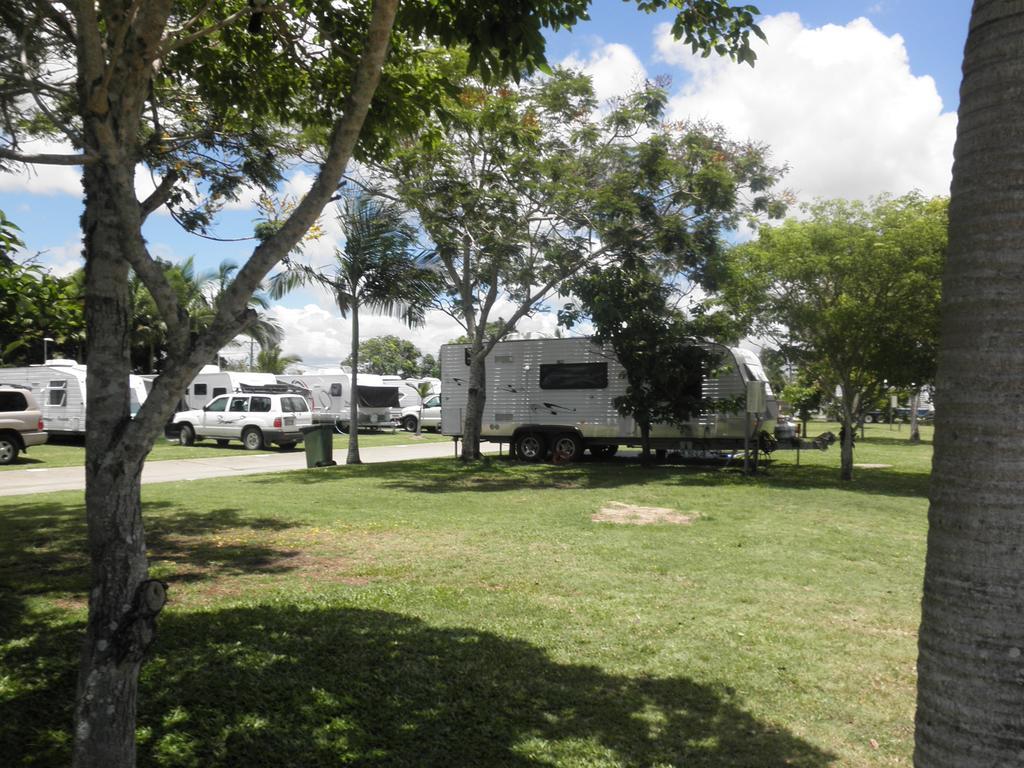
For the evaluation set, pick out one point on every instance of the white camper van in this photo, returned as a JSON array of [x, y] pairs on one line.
[[331, 391], [212, 382], [59, 387], [546, 395]]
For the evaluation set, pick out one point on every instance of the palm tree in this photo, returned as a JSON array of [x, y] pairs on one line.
[[270, 360], [424, 389], [971, 648], [378, 269]]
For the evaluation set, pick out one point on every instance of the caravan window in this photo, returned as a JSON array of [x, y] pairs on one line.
[[574, 376], [260, 405], [239, 404], [199, 389], [218, 391], [336, 389], [58, 393]]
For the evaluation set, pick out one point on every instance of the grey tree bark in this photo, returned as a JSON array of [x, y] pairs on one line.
[[971, 648], [123, 602], [476, 399]]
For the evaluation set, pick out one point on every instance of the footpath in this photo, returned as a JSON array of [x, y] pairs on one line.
[[27, 481]]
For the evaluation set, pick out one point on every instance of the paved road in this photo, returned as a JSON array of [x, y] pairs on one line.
[[24, 481]]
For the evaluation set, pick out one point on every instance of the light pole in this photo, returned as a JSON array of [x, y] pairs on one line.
[[46, 340]]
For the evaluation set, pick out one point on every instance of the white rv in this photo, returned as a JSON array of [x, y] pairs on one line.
[[212, 382], [558, 395], [59, 386], [331, 391]]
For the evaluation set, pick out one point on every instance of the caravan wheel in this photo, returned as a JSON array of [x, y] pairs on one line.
[[530, 446], [567, 448]]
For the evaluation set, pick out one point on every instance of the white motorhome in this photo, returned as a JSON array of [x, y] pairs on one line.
[[558, 395], [331, 391], [212, 382], [60, 388]]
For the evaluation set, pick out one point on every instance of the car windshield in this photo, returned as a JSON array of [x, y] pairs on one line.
[[217, 405]]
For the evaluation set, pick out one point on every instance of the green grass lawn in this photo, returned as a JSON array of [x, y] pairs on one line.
[[65, 452], [430, 614]]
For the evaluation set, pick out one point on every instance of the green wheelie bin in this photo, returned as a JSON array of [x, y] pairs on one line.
[[319, 442]]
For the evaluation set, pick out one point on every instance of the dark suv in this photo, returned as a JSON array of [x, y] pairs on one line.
[[21, 423]]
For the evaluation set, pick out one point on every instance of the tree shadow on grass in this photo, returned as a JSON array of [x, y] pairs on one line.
[[283, 686], [502, 475], [43, 551]]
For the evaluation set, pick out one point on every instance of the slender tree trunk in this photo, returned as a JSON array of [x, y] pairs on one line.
[[645, 443], [353, 406], [970, 700], [846, 443], [475, 401], [121, 611], [915, 429]]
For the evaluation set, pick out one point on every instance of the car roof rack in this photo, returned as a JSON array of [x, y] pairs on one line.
[[273, 389]]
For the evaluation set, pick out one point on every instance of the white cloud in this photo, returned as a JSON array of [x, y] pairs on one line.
[[43, 179], [614, 68], [839, 104]]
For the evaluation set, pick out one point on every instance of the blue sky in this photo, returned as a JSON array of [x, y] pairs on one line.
[[858, 97]]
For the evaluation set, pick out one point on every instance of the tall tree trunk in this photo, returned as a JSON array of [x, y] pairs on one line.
[[353, 406], [476, 397], [121, 610], [846, 436], [645, 442], [971, 649], [915, 428]]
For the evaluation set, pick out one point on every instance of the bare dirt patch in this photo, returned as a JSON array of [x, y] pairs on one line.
[[630, 514]]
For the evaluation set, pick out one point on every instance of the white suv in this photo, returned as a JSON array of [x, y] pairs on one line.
[[21, 423], [255, 419], [431, 414]]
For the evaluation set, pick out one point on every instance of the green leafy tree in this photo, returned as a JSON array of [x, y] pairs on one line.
[[387, 355], [629, 305], [34, 304], [850, 292], [430, 367], [526, 187], [210, 97], [380, 269]]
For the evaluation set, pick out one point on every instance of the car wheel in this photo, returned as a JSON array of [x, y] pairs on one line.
[[567, 448], [223, 443], [8, 450], [252, 439], [187, 435], [869, 419], [409, 423], [530, 446]]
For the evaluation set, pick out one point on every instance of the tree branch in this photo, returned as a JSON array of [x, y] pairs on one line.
[[170, 44], [160, 195], [47, 159]]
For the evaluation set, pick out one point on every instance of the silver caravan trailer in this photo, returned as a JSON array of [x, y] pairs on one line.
[[545, 394], [212, 382], [59, 386], [331, 391]]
